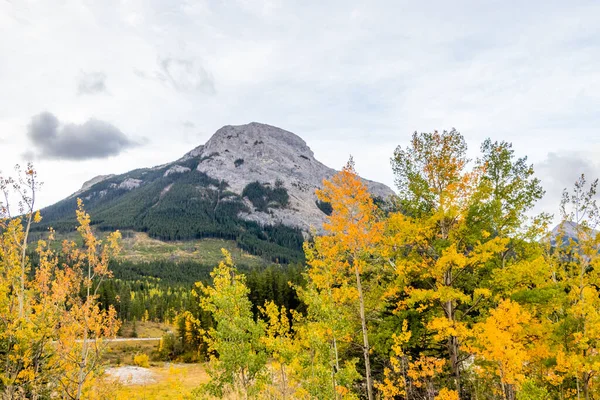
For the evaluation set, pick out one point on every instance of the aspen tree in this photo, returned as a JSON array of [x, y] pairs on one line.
[[353, 231], [431, 237]]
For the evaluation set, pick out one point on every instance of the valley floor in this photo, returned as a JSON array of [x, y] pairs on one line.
[[160, 380], [167, 381]]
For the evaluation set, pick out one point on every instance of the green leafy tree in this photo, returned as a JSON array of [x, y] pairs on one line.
[[238, 355], [430, 243]]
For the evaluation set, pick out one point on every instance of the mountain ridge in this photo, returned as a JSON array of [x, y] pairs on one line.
[[254, 183]]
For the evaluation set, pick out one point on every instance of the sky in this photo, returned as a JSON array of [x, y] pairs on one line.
[[98, 87]]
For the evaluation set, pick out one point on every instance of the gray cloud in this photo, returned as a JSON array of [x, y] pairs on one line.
[[185, 75], [91, 83], [92, 139]]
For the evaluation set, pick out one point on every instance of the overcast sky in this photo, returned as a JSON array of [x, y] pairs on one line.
[[89, 88]]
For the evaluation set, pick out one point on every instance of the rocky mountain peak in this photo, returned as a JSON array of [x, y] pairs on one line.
[[255, 152], [258, 138]]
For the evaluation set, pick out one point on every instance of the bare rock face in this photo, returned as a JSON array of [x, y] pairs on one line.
[[94, 180], [88, 184], [130, 184], [243, 154], [176, 169]]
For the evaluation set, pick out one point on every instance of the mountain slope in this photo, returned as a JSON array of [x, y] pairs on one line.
[[251, 183]]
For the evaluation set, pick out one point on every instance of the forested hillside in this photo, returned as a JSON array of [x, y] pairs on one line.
[[177, 206]]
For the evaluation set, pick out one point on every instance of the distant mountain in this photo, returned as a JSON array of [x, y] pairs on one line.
[[253, 183], [566, 229]]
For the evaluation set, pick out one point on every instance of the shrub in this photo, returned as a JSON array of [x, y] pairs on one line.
[[169, 347], [530, 391], [141, 360]]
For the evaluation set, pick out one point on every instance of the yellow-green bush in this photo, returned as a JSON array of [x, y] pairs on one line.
[[141, 360]]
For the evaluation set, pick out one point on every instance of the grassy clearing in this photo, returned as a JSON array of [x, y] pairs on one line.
[[173, 381], [122, 353], [147, 329], [140, 247]]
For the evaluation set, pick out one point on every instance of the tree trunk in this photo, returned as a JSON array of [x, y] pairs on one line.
[[336, 368], [24, 261], [586, 385], [283, 381], [363, 322], [453, 349], [82, 364], [337, 359]]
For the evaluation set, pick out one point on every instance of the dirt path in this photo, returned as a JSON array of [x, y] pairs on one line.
[[130, 375], [144, 339], [118, 340]]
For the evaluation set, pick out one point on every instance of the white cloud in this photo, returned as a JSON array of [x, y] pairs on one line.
[[348, 76], [559, 171]]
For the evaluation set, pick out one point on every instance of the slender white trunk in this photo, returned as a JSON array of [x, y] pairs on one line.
[[363, 322], [23, 263]]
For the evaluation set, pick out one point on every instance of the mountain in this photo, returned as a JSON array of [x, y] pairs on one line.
[[569, 230], [253, 183]]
